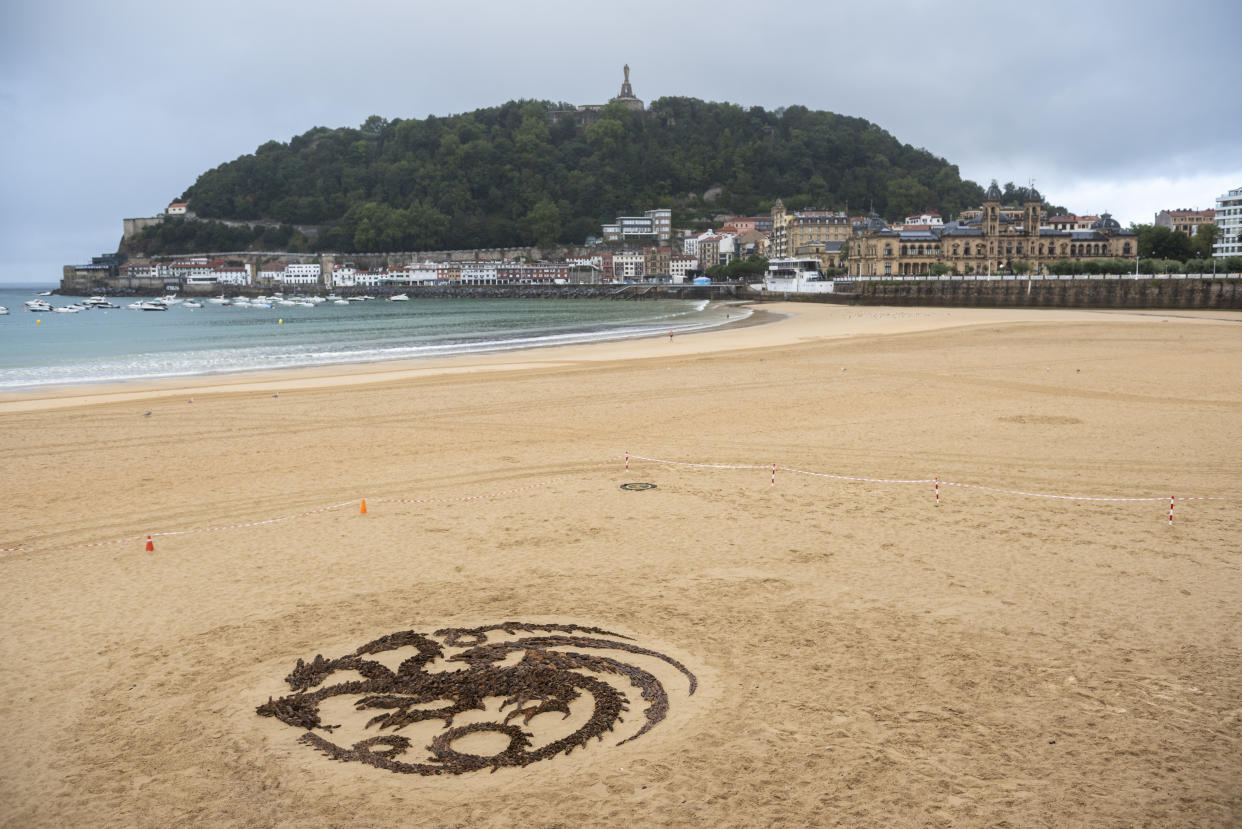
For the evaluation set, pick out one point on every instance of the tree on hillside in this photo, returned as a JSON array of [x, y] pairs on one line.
[[505, 176]]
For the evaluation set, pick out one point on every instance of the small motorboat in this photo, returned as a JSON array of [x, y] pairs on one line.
[[152, 305], [37, 305], [4, 312], [340, 302], [189, 303], [99, 302], [399, 298], [67, 309]]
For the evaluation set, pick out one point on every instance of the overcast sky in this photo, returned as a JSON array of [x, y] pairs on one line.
[[111, 110]]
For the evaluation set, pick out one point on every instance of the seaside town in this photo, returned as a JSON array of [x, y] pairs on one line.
[[806, 250]]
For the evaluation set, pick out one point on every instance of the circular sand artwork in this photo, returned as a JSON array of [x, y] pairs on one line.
[[637, 487], [496, 678]]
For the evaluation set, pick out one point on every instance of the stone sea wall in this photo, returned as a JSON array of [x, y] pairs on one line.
[[1203, 292]]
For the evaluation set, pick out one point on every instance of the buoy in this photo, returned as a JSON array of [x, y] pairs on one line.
[[280, 322], [363, 511], [38, 322], [150, 545]]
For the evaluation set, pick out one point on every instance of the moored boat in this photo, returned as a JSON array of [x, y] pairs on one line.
[[37, 305]]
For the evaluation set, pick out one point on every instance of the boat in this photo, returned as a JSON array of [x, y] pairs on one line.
[[67, 309], [220, 300], [340, 302], [152, 305], [170, 299], [44, 293], [4, 312], [399, 298], [192, 304], [98, 302], [37, 305]]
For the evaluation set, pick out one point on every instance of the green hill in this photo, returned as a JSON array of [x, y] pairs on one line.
[[507, 176]]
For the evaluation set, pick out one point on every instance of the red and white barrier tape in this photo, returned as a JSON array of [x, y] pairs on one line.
[[935, 480]]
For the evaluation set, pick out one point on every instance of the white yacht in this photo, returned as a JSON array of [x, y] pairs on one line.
[[37, 305], [399, 298], [152, 305], [99, 302], [4, 312]]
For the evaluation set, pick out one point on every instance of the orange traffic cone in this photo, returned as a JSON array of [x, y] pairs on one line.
[[363, 511], [150, 545]]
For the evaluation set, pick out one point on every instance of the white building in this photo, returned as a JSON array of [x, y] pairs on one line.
[[411, 275], [628, 265], [177, 208], [232, 274], [301, 273], [680, 265], [691, 243], [346, 276], [479, 273], [1229, 224]]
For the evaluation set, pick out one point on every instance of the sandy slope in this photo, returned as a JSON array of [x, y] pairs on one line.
[[865, 658]]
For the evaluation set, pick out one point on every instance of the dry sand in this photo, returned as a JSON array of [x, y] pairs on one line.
[[865, 658]]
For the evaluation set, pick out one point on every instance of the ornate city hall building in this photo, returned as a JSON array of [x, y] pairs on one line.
[[987, 244]]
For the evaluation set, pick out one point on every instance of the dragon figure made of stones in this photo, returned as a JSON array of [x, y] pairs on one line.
[[548, 677]]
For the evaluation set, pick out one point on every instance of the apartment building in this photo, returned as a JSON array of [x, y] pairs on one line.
[[1187, 221], [1229, 224]]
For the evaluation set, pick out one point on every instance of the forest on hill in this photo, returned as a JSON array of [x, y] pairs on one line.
[[509, 176]]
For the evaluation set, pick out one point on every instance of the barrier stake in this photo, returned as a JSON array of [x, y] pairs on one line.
[[627, 461], [937, 490], [363, 511], [150, 545], [773, 474], [1172, 498]]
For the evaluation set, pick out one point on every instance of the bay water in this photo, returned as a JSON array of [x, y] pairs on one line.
[[41, 349]]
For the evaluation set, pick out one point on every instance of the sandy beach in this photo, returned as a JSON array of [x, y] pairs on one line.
[[864, 655]]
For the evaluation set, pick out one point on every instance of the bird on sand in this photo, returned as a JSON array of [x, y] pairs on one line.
[[147, 413]]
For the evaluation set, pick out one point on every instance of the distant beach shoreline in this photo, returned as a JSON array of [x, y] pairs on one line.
[[767, 325]]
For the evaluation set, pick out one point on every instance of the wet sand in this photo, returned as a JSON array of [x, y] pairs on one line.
[[864, 657]]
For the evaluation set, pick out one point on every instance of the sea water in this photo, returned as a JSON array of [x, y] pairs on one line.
[[40, 349]]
